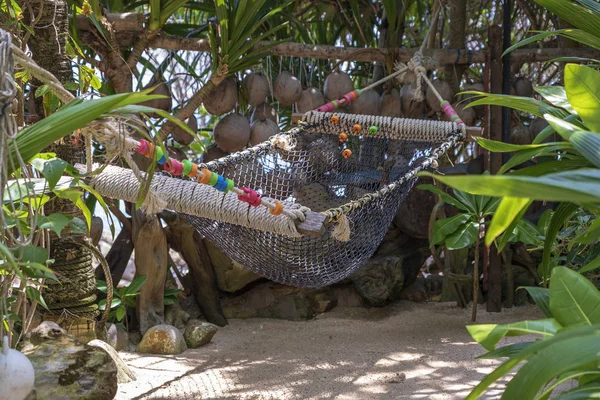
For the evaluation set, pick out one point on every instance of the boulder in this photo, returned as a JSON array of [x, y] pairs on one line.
[[65, 368], [381, 280], [415, 292], [162, 339], [413, 214], [117, 337], [124, 374], [198, 333], [231, 275], [175, 316]]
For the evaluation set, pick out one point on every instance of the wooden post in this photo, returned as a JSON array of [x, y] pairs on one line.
[[494, 129]]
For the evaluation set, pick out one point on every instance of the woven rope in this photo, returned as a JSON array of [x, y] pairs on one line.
[[197, 199], [387, 127]]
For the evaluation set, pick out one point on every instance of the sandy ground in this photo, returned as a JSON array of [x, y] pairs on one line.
[[403, 351]]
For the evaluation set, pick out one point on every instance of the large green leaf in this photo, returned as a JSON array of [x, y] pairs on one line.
[[585, 392], [541, 296], [488, 335], [578, 16], [464, 236], [444, 227], [525, 104], [51, 169], [574, 300], [555, 95], [588, 144], [583, 90], [509, 210], [580, 186], [501, 147], [448, 199], [564, 128], [55, 222], [510, 350], [559, 217], [562, 355]]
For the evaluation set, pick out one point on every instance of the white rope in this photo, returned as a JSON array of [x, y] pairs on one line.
[[200, 200]]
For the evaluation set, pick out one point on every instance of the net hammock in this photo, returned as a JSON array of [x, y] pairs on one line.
[[310, 167]]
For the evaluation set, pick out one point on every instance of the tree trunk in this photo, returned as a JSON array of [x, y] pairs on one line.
[[118, 256], [456, 40], [184, 239], [151, 260]]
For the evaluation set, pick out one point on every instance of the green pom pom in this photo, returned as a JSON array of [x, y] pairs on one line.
[[187, 167], [214, 178], [373, 130]]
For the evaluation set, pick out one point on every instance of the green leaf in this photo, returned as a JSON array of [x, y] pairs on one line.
[[562, 127], [120, 313], [574, 300], [76, 197], [101, 285], [501, 147], [488, 335], [541, 296], [585, 392], [134, 287], [589, 235], [510, 350], [574, 14], [581, 186], [588, 145], [169, 300], [444, 227], [555, 95], [78, 226], [524, 104], [33, 294], [34, 254], [55, 222], [583, 90], [559, 217], [465, 236], [448, 199], [116, 302], [509, 210]]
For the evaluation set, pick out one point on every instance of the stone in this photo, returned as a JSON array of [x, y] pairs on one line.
[[124, 374], [322, 302], [392, 242], [198, 333], [415, 292], [231, 275], [175, 316], [381, 280], [117, 337], [347, 296], [414, 212], [65, 368], [162, 339]]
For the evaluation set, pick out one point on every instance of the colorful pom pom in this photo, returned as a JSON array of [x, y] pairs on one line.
[[278, 209], [343, 137], [373, 130], [356, 128], [346, 153]]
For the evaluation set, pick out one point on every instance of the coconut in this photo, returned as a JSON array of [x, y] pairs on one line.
[[474, 87], [263, 111], [410, 107], [287, 89], [232, 133], [467, 115], [368, 103], [222, 98], [537, 125], [213, 153], [443, 89], [183, 137], [176, 153], [521, 135], [255, 89], [336, 85], [523, 87], [262, 130], [391, 104], [160, 88], [311, 98]]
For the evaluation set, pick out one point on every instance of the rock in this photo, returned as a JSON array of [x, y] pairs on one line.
[[381, 280], [199, 333], [413, 214], [434, 285], [175, 316], [124, 374], [392, 242], [117, 337], [231, 275], [135, 337], [162, 339], [347, 296], [415, 292], [67, 369], [322, 302]]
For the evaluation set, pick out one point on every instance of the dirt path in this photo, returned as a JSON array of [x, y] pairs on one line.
[[403, 351]]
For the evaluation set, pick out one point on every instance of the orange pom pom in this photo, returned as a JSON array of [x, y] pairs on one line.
[[278, 209], [206, 175], [356, 128], [335, 119], [343, 137], [194, 170], [346, 153]]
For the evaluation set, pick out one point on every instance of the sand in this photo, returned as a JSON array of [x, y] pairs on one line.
[[402, 351]]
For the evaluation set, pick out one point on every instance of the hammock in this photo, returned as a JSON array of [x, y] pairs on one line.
[[351, 171]]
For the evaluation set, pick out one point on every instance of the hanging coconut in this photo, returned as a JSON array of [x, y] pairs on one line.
[[336, 85], [410, 107], [521, 134], [523, 87], [391, 104], [183, 137], [260, 131], [213, 153], [263, 111], [467, 115], [443, 89], [537, 125], [467, 98], [176, 153], [255, 89], [287, 89], [160, 88], [368, 103], [232, 133], [222, 98], [311, 98]]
